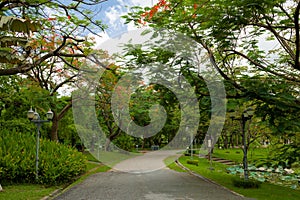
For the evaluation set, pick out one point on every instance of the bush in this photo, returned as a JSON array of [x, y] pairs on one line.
[[189, 151], [57, 163], [241, 183], [192, 162]]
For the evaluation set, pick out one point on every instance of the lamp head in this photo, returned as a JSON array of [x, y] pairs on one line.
[[36, 115], [49, 114], [30, 114]]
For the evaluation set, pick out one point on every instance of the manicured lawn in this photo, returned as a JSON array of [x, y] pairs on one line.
[[170, 163], [111, 158], [236, 155], [25, 191], [220, 176]]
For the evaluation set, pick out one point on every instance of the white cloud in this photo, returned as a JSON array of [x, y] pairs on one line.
[[103, 36], [114, 21], [113, 14]]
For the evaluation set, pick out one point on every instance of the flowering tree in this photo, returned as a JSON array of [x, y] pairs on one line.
[[33, 32]]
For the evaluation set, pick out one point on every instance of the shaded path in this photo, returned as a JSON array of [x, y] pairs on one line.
[[160, 184]]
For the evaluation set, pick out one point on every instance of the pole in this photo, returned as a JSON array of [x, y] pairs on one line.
[[37, 151], [245, 163], [191, 146], [210, 147]]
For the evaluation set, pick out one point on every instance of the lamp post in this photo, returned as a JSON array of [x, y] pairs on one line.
[[34, 117], [246, 115], [209, 145], [191, 138]]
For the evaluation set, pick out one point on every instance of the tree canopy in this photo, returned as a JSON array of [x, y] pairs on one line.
[[33, 32], [254, 45]]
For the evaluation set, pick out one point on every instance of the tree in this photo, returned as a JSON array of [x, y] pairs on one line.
[[231, 33], [103, 104], [14, 103], [28, 29], [46, 40], [56, 77]]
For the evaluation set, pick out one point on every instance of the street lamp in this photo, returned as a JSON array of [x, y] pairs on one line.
[[34, 117], [191, 138], [246, 115], [209, 145]]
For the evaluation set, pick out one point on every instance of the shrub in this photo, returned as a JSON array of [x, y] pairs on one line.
[[192, 162], [57, 163], [241, 183], [189, 151]]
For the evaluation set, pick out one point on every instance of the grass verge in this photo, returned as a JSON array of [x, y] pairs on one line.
[[170, 163], [110, 158], [219, 175], [25, 192]]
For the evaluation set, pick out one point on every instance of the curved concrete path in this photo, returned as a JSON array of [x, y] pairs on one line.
[[149, 162], [160, 183]]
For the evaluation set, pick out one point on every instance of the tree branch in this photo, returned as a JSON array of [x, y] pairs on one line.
[[62, 83], [64, 111], [234, 52]]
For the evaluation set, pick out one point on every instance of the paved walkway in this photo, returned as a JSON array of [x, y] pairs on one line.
[[148, 179], [150, 161]]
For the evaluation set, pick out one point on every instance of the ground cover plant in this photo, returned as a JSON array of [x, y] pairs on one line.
[[58, 164]]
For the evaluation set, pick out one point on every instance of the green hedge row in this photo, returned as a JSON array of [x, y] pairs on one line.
[[57, 163]]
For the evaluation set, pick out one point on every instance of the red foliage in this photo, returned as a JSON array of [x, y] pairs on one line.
[[162, 4]]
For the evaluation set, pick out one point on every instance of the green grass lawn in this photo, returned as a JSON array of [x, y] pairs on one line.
[[236, 155], [170, 163], [219, 175], [110, 158], [25, 191]]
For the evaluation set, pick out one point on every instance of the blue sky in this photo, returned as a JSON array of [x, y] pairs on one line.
[[110, 13]]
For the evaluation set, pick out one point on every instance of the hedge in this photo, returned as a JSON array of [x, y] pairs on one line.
[[58, 164]]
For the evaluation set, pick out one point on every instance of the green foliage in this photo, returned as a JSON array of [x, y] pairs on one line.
[[29, 35], [235, 34], [284, 155], [124, 141], [57, 163], [193, 162], [237, 182]]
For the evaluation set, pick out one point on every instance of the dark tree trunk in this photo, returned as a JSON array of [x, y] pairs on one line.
[[56, 119], [54, 135]]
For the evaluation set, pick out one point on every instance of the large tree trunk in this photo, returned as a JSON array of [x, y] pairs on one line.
[[111, 138], [56, 119], [54, 135]]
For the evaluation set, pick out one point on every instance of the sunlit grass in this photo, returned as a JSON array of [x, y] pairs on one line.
[[111, 158], [219, 175], [170, 163], [25, 192], [236, 155]]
